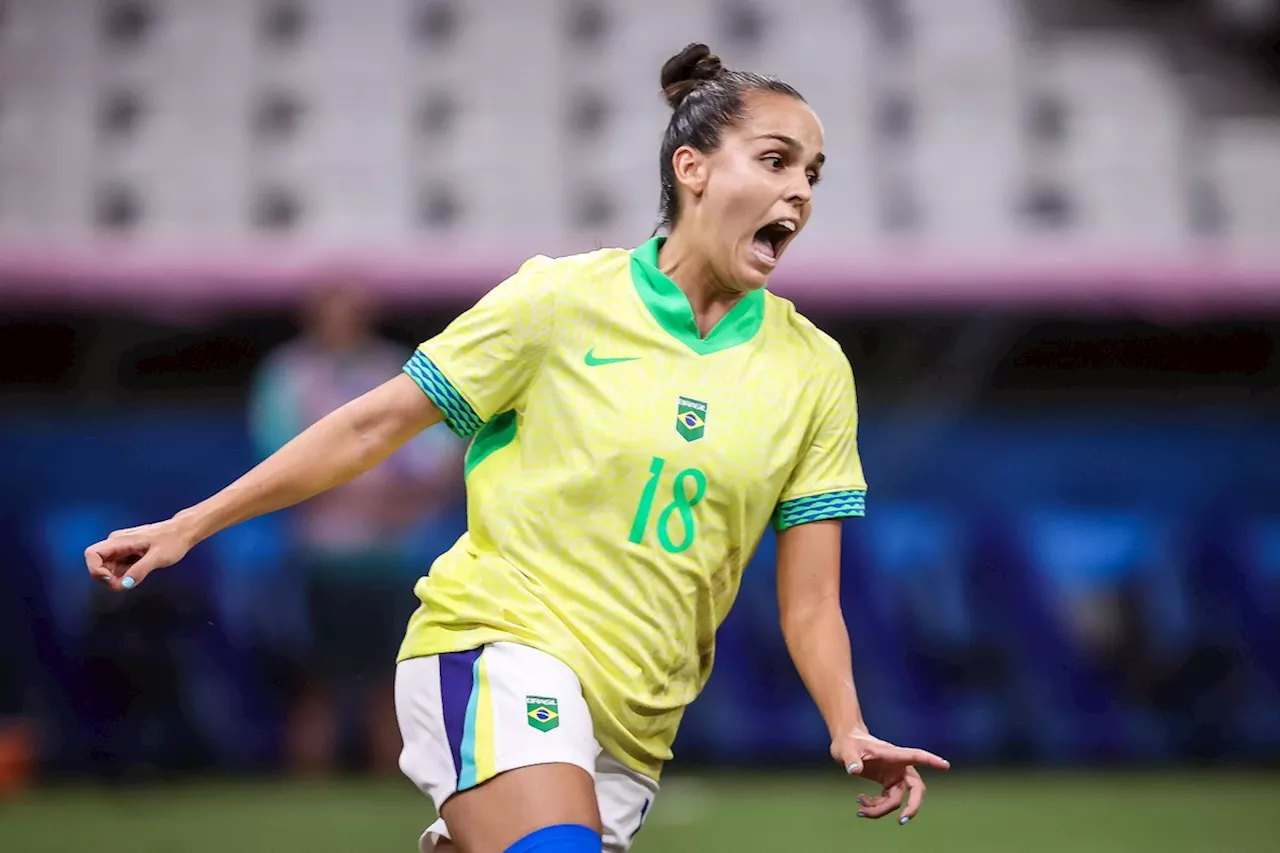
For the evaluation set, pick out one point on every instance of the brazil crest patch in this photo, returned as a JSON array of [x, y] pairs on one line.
[[691, 418], [543, 712]]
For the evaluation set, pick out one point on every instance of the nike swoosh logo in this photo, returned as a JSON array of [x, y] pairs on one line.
[[592, 361]]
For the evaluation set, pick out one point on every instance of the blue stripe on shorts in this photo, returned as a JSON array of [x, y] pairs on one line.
[[457, 681]]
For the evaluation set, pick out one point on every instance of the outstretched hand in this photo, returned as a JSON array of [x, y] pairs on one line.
[[126, 557], [892, 767]]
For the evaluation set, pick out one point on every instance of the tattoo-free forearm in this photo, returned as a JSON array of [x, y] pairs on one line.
[[818, 641]]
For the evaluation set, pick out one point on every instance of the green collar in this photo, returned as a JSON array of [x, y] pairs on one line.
[[669, 306]]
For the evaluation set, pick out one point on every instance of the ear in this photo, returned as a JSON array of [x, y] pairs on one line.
[[690, 167]]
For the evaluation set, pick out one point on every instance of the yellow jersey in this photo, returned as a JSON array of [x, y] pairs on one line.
[[621, 473]]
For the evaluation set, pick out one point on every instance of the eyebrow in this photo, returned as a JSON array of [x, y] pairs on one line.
[[793, 144]]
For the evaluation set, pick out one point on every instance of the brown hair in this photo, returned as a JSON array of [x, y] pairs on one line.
[[705, 98]]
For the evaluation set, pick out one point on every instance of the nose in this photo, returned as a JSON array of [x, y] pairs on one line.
[[800, 192]]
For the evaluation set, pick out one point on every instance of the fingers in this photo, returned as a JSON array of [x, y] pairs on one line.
[[855, 752], [115, 562], [915, 796], [93, 560], [116, 547], [878, 807], [911, 787], [894, 767], [125, 579], [125, 558], [911, 756], [137, 572], [98, 557]]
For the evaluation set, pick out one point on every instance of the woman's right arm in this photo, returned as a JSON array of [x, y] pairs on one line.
[[336, 449]]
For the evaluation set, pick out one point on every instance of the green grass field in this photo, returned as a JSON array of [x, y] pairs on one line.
[[981, 812]]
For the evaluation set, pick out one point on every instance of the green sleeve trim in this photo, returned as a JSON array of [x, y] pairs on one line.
[[849, 503], [462, 419]]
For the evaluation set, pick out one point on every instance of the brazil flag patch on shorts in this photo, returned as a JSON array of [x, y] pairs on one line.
[[543, 712]]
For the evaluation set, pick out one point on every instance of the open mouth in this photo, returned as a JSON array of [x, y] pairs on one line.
[[770, 239]]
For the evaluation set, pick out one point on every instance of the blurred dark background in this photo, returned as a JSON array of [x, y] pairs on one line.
[[1049, 242]]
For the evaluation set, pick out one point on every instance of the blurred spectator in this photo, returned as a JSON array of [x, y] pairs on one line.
[[350, 546]]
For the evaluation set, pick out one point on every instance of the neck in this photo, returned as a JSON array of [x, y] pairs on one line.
[[709, 296]]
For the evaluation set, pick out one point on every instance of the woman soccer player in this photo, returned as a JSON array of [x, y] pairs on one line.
[[638, 418]]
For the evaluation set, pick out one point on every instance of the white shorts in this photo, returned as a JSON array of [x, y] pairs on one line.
[[467, 716]]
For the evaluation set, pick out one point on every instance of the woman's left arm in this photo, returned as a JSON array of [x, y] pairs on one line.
[[813, 623], [818, 640]]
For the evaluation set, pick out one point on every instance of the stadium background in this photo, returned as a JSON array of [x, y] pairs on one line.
[[1048, 239]]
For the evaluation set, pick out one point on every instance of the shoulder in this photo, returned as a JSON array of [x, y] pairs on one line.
[[545, 277], [584, 265], [586, 268], [792, 331]]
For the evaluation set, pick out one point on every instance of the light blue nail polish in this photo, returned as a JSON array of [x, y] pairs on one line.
[[127, 583], [852, 767], [862, 814], [904, 821]]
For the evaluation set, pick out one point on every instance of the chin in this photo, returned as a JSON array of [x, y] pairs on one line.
[[751, 277]]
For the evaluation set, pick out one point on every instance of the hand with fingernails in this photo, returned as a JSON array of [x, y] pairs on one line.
[[891, 767], [126, 557]]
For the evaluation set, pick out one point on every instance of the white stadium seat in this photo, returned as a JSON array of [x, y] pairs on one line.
[[1243, 161], [1125, 156]]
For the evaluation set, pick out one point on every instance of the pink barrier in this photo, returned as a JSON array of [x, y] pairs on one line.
[[121, 276]]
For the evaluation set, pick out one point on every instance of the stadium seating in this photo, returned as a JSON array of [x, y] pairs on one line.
[[1243, 160], [370, 123], [1123, 156]]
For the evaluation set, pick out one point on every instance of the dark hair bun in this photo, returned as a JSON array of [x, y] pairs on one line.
[[688, 69]]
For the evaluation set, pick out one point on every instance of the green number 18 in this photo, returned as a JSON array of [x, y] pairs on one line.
[[682, 502]]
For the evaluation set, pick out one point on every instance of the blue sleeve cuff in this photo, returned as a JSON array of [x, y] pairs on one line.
[[850, 503], [458, 414]]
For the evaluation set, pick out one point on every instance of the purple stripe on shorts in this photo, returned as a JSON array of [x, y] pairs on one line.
[[456, 680]]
